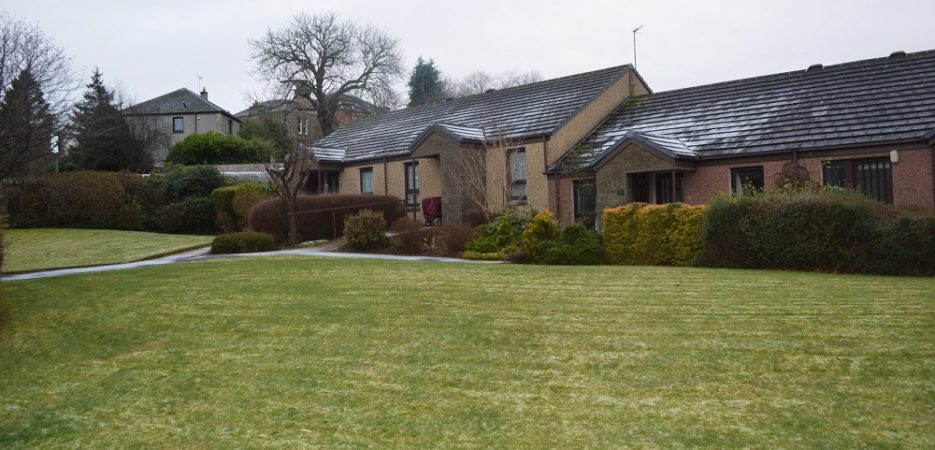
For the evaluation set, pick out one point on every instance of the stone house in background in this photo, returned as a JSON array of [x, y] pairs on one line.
[[299, 114], [586, 142], [180, 114]]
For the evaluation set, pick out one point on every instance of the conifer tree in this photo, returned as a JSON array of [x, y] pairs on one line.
[[103, 140], [26, 128], [425, 84]]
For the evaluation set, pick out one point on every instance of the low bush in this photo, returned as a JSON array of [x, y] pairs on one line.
[[243, 242], [506, 231], [269, 215], [576, 245], [817, 229], [365, 230], [454, 236], [214, 148], [194, 181], [408, 239], [78, 200], [641, 234], [483, 256], [192, 215], [542, 228]]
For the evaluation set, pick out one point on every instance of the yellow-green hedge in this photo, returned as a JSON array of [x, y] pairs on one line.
[[664, 235]]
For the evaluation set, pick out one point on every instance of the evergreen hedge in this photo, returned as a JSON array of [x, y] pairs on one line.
[[641, 234], [819, 230]]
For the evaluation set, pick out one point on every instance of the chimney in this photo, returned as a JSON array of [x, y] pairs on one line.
[[204, 93]]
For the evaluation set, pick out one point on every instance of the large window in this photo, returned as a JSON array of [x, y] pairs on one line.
[[412, 183], [178, 125], [517, 162], [366, 180], [303, 126], [747, 180], [664, 192], [873, 177], [585, 192]]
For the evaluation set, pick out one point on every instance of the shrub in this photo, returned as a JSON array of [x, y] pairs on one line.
[[79, 200], [643, 234], [365, 230], [816, 229], [573, 245], [269, 215], [482, 256], [454, 236], [541, 228], [194, 181], [505, 231], [243, 242], [233, 203], [408, 238], [192, 215], [213, 148]]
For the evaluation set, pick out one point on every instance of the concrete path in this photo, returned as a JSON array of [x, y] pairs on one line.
[[203, 254]]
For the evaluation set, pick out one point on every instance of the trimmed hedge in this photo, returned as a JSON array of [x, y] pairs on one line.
[[822, 230], [269, 216], [641, 234], [79, 200], [243, 242], [192, 181], [573, 245], [232, 204], [214, 148]]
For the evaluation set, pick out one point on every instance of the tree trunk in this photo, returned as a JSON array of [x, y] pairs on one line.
[[326, 122], [293, 223]]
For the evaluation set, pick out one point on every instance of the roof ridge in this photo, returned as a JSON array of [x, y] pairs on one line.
[[791, 73]]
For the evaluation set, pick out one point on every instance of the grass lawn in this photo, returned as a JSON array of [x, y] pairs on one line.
[[301, 352], [30, 249]]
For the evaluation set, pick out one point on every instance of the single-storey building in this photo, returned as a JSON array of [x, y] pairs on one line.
[[585, 142]]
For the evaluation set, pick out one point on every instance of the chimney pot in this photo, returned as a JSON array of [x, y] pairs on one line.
[[204, 93]]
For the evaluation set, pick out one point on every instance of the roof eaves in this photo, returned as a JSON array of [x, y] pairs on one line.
[[635, 137]]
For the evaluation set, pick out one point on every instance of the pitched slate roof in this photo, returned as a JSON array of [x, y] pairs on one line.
[[535, 109], [864, 102], [182, 101]]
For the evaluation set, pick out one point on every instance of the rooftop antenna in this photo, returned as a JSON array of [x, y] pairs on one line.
[[199, 81], [635, 30]]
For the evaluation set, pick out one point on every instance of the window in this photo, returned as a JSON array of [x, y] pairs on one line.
[[366, 180], [230, 126], [178, 125], [517, 163], [873, 177], [332, 182], [746, 180], [303, 126], [412, 183], [585, 192], [664, 188]]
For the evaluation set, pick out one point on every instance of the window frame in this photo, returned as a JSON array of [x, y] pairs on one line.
[[368, 171], [520, 200], [412, 184], [303, 126], [662, 187], [587, 217], [884, 191], [735, 171], [181, 121]]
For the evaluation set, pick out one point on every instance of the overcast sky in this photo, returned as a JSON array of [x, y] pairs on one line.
[[148, 49]]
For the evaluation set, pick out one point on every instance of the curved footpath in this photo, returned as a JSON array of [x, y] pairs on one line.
[[203, 254]]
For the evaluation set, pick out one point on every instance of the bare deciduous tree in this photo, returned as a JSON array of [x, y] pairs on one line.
[[289, 177], [26, 47], [331, 58], [478, 82], [483, 174]]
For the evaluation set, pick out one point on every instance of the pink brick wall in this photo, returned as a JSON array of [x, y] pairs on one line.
[[912, 177]]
